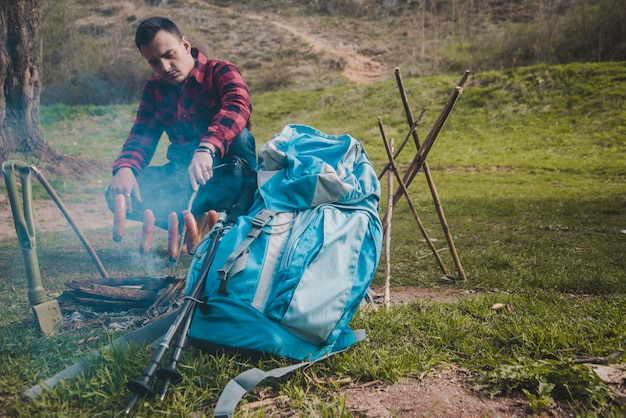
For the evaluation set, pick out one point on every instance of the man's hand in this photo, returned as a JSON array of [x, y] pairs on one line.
[[125, 183], [201, 169]]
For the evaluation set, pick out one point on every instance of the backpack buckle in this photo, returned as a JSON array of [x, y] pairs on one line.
[[262, 218]]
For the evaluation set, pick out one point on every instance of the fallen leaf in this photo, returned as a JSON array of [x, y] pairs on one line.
[[498, 306]]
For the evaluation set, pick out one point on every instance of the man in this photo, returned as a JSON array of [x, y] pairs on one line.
[[204, 108]]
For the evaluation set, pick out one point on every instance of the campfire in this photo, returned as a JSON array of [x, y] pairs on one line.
[[120, 294]]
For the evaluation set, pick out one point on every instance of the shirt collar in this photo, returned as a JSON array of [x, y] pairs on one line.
[[199, 70]]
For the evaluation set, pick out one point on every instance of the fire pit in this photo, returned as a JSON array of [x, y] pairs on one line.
[[120, 294]]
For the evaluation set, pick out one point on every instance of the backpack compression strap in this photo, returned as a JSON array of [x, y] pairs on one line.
[[236, 262], [238, 386]]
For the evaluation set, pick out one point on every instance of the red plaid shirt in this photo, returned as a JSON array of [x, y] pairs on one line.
[[211, 106]]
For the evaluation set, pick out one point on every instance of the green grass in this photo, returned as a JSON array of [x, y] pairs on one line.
[[531, 172]]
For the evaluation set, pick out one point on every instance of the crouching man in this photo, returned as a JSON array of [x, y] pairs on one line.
[[204, 107]]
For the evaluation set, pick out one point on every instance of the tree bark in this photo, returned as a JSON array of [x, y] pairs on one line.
[[20, 63]]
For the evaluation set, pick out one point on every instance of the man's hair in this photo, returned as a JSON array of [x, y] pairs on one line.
[[147, 30]]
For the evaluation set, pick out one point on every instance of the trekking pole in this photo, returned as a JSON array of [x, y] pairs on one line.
[[141, 387], [181, 324], [169, 374]]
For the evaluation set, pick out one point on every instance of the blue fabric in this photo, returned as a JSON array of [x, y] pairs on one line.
[[311, 265], [302, 167]]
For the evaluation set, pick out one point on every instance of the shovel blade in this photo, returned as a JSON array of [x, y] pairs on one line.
[[49, 317]]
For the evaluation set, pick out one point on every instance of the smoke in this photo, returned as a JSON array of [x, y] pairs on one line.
[[150, 265]]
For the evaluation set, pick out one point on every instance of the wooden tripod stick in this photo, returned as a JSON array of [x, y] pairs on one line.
[[394, 168], [420, 160], [422, 152], [404, 141]]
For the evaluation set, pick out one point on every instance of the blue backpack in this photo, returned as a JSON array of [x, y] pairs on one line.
[[288, 277]]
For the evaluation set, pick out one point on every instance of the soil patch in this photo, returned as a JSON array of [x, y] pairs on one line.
[[442, 393], [406, 294]]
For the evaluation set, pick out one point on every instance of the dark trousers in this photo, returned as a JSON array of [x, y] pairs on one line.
[[166, 188]]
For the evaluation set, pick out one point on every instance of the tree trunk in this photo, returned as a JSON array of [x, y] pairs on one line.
[[20, 63]]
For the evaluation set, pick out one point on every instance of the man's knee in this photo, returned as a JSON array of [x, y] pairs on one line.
[[244, 146]]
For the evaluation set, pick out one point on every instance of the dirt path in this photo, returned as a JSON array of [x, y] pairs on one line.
[[358, 68]]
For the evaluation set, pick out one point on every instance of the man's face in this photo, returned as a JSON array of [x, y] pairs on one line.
[[169, 56]]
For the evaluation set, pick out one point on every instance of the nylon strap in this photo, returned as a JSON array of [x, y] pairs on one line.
[[239, 386], [238, 259]]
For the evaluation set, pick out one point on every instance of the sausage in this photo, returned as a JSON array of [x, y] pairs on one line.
[[147, 232], [211, 218], [172, 236], [191, 228], [119, 217]]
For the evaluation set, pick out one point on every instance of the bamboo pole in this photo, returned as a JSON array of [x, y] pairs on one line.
[[401, 186], [424, 149], [404, 142], [421, 161]]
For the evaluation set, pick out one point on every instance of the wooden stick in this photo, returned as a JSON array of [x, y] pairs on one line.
[[406, 139], [600, 360], [124, 281], [401, 186], [167, 294], [424, 149], [283, 399], [111, 292], [387, 298], [182, 235], [421, 160], [69, 219]]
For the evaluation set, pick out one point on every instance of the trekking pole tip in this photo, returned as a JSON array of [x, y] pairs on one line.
[[166, 386], [131, 403]]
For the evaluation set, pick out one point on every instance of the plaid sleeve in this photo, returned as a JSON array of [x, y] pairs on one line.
[[235, 109], [144, 135]]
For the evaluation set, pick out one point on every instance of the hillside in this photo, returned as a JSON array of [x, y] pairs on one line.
[[273, 52], [90, 58]]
